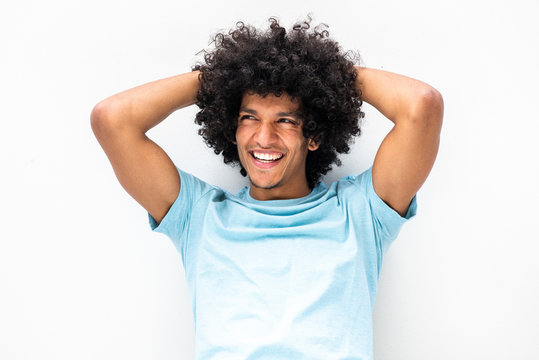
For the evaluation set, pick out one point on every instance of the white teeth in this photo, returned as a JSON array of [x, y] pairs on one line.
[[267, 157]]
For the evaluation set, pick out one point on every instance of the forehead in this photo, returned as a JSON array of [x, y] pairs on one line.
[[282, 103]]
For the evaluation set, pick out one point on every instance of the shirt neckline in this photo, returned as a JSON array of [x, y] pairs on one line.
[[245, 194]]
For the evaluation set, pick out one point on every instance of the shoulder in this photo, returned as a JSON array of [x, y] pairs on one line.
[[353, 184], [194, 187], [359, 189]]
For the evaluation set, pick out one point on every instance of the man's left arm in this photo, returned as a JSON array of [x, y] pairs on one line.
[[406, 156]]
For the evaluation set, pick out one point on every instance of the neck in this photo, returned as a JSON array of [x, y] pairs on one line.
[[279, 192]]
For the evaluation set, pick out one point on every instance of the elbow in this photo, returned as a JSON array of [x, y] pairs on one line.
[[112, 113], [434, 103], [97, 118], [430, 107], [101, 118], [98, 112]]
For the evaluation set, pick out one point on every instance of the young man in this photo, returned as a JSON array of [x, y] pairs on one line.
[[288, 267]]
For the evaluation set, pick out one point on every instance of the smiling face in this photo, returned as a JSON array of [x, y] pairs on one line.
[[272, 148]]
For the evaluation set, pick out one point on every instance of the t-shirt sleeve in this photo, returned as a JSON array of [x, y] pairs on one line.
[[176, 220], [386, 221]]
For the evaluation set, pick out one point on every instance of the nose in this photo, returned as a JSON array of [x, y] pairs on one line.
[[265, 134]]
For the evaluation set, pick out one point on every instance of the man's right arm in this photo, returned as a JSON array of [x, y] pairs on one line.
[[120, 123]]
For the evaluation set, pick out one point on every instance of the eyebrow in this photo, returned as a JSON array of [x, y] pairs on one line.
[[254, 112]]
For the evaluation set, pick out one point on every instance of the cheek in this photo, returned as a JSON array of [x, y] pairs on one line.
[[240, 147], [240, 135]]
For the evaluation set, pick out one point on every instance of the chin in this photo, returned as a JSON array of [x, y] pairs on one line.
[[261, 184], [264, 186]]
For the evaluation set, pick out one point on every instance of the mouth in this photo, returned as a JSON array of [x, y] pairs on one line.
[[266, 159]]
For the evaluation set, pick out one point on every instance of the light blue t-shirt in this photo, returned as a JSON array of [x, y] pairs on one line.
[[282, 279]]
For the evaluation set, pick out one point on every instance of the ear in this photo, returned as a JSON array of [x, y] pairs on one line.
[[312, 145]]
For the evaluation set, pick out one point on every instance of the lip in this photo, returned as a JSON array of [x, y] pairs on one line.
[[264, 165], [262, 151]]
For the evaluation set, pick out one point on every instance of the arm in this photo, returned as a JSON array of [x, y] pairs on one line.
[[406, 156], [120, 123]]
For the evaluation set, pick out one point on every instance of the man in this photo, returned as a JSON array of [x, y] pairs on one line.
[[287, 268]]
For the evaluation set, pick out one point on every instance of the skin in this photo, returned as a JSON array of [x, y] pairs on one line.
[[272, 126], [401, 165], [407, 153]]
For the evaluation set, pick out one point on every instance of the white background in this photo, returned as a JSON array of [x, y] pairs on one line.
[[83, 277]]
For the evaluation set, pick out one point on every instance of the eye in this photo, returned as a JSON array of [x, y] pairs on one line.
[[247, 117], [287, 121]]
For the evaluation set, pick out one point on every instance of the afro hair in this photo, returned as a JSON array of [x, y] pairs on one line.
[[304, 64]]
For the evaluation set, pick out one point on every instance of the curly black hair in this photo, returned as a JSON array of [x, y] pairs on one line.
[[305, 64]]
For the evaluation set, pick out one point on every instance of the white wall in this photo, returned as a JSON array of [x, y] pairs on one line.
[[83, 277]]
